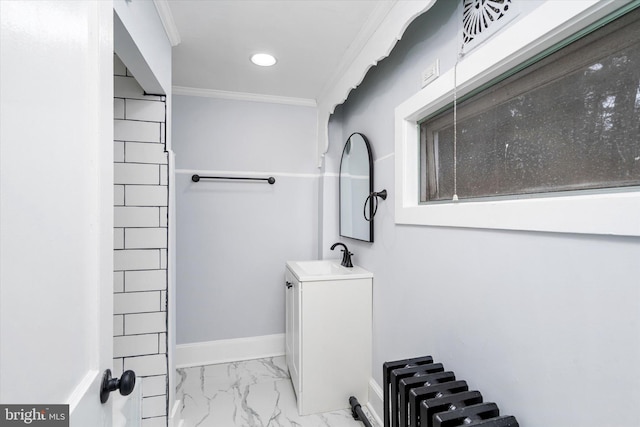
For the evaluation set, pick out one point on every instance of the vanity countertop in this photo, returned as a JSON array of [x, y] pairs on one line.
[[326, 269]]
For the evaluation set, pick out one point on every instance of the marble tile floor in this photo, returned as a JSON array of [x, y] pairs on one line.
[[252, 393]]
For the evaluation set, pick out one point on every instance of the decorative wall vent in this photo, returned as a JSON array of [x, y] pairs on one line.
[[481, 18]]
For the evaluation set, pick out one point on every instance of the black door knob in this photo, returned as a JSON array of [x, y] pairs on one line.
[[125, 384]]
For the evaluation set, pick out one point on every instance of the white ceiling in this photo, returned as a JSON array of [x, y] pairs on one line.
[[313, 40]]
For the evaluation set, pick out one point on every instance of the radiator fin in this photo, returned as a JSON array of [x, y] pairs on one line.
[[421, 393]]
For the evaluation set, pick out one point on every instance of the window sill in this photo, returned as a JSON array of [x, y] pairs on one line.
[[612, 213]]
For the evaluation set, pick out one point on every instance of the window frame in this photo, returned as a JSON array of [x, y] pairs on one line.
[[610, 211]]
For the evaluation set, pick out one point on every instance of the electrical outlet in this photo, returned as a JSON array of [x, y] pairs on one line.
[[431, 73]]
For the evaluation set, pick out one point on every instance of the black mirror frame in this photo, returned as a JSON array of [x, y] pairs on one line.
[[359, 209]]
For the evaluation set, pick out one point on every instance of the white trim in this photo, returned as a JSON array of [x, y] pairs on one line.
[[232, 350], [175, 415], [83, 400], [171, 278], [377, 47], [613, 213], [245, 173], [82, 389], [242, 96], [175, 409], [164, 11], [374, 21], [376, 402]]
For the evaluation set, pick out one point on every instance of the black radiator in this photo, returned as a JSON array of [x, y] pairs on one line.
[[420, 393]]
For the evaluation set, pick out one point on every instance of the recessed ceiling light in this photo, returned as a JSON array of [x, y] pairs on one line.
[[263, 59]]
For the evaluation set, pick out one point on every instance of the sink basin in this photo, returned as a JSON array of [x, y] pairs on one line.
[[326, 269], [322, 267]]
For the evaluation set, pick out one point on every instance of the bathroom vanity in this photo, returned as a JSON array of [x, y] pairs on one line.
[[328, 333]]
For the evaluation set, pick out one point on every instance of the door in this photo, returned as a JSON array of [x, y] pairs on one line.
[[292, 328], [56, 204], [288, 324]]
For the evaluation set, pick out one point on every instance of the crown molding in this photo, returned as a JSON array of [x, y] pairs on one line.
[[375, 19], [242, 96], [381, 41], [162, 6]]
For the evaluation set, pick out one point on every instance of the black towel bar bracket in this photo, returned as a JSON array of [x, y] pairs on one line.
[[196, 178]]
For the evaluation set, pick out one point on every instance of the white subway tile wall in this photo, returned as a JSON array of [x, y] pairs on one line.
[[154, 422], [118, 195], [118, 108], [145, 366], [145, 323], [131, 130], [127, 87], [140, 242], [136, 259], [164, 217], [154, 386], [136, 173], [148, 280], [125, 216], [118, 151], [118, 368], [118, 325], [136, 302], [137, 238], [146, 195], [155, 406], [164, 174], [135, 345], [144, 152], [118, 238], [118, 281], [144, 111]]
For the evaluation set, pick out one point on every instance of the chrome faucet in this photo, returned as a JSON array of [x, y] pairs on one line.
[[346, 255]]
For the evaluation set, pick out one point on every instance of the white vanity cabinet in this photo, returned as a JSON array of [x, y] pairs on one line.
[[328, 334]]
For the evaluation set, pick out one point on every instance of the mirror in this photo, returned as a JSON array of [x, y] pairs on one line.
[[356, 184]]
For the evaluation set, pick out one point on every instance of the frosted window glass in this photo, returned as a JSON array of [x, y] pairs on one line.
[[569, 122]]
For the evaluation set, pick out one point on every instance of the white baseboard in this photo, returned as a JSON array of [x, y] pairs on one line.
[[225, 351], [375, 405], [175, 418]]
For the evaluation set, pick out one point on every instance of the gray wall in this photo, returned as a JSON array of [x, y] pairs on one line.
[[547, 325], [233, 238]]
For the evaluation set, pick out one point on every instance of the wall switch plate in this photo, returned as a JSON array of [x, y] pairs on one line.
[[431, 73]]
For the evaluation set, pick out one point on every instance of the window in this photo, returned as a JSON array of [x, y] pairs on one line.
[[568, 122], [522, 205]]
